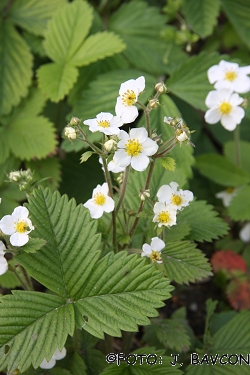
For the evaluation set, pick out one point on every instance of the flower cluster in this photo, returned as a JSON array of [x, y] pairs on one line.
[[22, 178], [224, 102], [153, 251], [170, 201]]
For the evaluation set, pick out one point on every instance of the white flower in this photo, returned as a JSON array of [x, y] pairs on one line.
[[129, 92], [17, 225], [3, 261], [100, 202], [153, 251], [55, 357], [230, 76], [134, 148], [169, 195], [112, 166], [70, 132], [164, 214], [227, 195], [105, 122], [224, 107], [244, 233]]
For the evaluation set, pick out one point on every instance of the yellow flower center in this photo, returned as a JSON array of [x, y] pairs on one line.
[[99, 199], [177, 200], [225, 108], [230, 76], [21, 226], [129, 98], [155, 255], [164, 217], [104, 123], [133, 147], [230, 190]]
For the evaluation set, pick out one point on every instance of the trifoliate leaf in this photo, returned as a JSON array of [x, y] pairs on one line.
[[184, 263], [169, 164], [204, 222], [15, 67], [96, 47], [220, 170], [34, 15], [189, 82], [85, 156], [33, 245], [56, 80], [239, 206], [202, 15]]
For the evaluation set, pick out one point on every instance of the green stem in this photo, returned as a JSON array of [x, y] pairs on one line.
[[166, 151], [13, 269], [27, 281], [85, 139], [123, 189], [237, 146], [146, 112]]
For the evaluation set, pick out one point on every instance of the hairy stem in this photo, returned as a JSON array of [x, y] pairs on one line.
[[237, 146]]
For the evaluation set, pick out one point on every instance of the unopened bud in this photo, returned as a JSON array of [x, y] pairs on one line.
[[14, 176], [144, 194], [153, 103], [161, 88], [110, 145], [172, 121], [70, 132], [74, 121]]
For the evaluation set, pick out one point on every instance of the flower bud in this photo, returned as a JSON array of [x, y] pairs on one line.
[[161, 88], [153, 104], [14, 176], [110, 145], [120, 178], [144, 194], [70, 133], [172, 121], [74, 121]]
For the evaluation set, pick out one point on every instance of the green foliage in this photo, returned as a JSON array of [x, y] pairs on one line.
[[33, 245], [220, 170], [229, 152], [184, 263], [239, 209], [238, 15], [201, 15], [168, 163], [189, 82], [48, 170], [204, 222], [15, 67], [85, 156]]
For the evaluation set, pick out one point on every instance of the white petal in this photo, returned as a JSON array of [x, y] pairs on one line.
[[95, 210], [20, 213], [158, 207], [164, 194], [237, 114], [139, 162], [228, 122], [129, 114], [225, 65], [48, 365], [140, 134], [157, 244], [225, 196], [241, 84], [212, 116], [116, 121], [188, 195], [244, 233], [109, 204], [121, 158], [215, 73], [3, 265], [7, 225], [245, 70], [19, 239], [150, 147], [212, 99], [104, 116], [146, 248], [2, 248], [90, 122], [140, 82], [235, 99], [119, 107], [174, 186], [124, 137], [105, 188], [60, 355], [113, 167], [223, 84], [128, 85]]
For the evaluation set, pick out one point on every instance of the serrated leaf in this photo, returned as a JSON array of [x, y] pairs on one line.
[[33, 245], [15, 67], [238, 15], [189, 82], [62, 37], [220, 170], [33, 15], [239, 208], [96, 47], [168, 163], [229, 152], [202, 15], [56, 79], [204, 222], [184, 263], [85, 156]]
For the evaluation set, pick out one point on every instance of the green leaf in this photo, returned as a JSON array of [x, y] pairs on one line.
[[239, 208], [96, 47], [220, 170], [204, 222], [15, 67], [9, 280], [184, 263], [238, 14], [63, 37], [4, 147], [85, 156], [34, 15], [56, 79], [189, 82], [229, 152], [33, 245], [75, 364], [169, 164], [202, 15]]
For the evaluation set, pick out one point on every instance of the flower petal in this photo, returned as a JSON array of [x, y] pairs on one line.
[[109, 204], [129, 114], [212, 116], [164, 194], [150, 147], [139, 162], [7, 225], [60, 355], [228, 122], [215, 73], [140, 134], [146, 248], [241, 84], [157, 244], [20, 213], [19, 239], [212, 99], [48, 364], [3, 265], [235, 99], [244, 233], [2, 248], [121, 158]]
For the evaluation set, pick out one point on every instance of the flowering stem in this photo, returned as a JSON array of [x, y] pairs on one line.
[[162, 147], [146, 112], [166, 151], [123, 189], [237, 146], [109, 182], [149, 177], [85, 139]]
